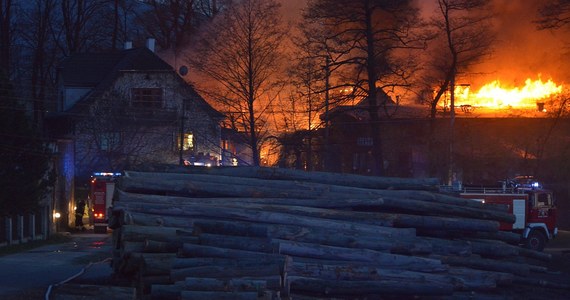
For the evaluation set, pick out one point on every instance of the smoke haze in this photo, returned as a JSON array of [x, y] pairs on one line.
[[522, 51]]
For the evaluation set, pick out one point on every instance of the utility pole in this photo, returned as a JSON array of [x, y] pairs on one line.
[[181, 144], [326, 159]]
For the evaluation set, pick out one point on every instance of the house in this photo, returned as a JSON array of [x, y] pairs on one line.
[[126, 109], [487, 144]]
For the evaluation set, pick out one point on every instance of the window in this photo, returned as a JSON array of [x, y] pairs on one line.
[[187, 143], [364, 141], [543, 200], [109, 140], [147, 97]]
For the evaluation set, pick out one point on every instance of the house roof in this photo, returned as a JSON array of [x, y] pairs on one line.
[[100, 70], [90, 69], [388, 109]]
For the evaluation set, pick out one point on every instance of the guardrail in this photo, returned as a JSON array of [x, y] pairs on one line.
[[24, 228]]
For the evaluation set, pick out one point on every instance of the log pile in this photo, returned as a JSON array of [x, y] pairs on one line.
[[265, 233]]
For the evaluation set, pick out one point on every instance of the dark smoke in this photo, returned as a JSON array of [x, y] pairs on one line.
[[522, 51]]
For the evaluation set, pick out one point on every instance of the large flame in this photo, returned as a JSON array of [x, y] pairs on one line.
[[494, 95]]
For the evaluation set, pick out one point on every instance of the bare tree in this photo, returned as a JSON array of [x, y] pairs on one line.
[[5, 34], [464, 39], [83, 25], [34, 31], [554, 15], [240, 51], [170, 22], [210, 8], [363, 39]]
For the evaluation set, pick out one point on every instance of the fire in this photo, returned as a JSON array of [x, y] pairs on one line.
[[495, 95]]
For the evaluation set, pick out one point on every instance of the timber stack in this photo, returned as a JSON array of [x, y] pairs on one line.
[[268, 233]]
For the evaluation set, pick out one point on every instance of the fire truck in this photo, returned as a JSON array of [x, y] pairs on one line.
[[101, 196], [532, 205]]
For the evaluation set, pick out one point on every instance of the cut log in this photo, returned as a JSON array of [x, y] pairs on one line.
[[237, 214], [157, 264], [374, 218], [166, 291], [465, 279], [133, 233], [448, 247], [334, 240], [191, 262], [87, 291], [387, 260], [486, 264], [217, 271], [340, 203], [373, 289], [264, 245], [225, 186], [401, 201], [495, 249], [192, 295], [193, 250], [358, 271], [151, 246], [149, 264], [314, 176], [443, 209], [541, 283], [231, 285], [141, 219], [317, 235]]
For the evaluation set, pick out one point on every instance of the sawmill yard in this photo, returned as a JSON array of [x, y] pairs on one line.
[[261, 233], [273, 233]]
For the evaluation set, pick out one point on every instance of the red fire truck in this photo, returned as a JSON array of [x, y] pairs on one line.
[[101, 195], [532, 205]]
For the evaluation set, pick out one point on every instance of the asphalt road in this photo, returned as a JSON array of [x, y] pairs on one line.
[[29, 274]]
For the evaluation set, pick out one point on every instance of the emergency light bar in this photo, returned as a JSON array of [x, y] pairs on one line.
[[106, 174]]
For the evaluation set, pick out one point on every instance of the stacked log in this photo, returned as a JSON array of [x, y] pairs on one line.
[[264, 233]]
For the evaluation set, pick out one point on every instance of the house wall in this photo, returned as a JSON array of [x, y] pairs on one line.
[[485, 148], [142, 136]]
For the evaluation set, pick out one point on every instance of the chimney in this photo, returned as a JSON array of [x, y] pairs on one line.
[[128, 45], [150, 44]]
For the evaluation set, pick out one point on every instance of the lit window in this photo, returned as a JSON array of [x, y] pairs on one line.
[[187, 143], [147, 97]]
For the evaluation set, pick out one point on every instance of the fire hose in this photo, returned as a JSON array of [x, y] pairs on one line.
[[49, 289]]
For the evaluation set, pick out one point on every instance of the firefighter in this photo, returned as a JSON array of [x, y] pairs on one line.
[[79, 211]]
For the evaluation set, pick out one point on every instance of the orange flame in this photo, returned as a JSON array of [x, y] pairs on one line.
[[494, 95]]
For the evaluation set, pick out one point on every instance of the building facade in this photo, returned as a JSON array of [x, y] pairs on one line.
[[126, 109]]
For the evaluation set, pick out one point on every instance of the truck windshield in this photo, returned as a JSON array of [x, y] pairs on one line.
[[543, 200]]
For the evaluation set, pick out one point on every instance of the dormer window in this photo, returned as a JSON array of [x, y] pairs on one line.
[[147, 97]]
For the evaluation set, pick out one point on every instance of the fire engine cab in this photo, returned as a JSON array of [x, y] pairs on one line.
[[101, 195], [532, 205]]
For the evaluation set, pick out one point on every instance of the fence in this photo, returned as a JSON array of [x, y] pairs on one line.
[[24, 228]]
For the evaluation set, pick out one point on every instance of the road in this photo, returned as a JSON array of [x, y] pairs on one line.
[[29, 274]]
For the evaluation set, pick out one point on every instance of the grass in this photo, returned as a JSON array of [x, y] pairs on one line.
[[53, 239]]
